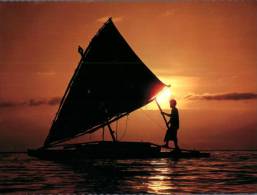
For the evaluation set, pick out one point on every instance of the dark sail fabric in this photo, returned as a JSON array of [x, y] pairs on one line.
[[110, 81]]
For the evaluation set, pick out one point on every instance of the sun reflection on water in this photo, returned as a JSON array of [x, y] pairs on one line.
[[160, 181], [224, 172]]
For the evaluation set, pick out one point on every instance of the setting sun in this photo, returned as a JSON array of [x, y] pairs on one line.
[[164, 96]]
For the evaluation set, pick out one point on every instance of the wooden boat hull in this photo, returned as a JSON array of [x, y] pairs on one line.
[[116, 150]]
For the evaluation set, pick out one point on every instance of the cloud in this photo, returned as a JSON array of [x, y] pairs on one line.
[[54, 101], [105, 18], [223, 96], [6, 104], [31, 102]]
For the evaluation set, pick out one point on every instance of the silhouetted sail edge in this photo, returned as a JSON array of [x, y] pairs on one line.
[[86, 105], [76, 70], [47, 140]]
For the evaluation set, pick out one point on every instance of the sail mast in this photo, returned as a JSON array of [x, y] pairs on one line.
[[83, 54], [67, 89]]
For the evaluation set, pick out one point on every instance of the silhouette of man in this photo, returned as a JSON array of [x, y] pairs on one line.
[[173, 124]]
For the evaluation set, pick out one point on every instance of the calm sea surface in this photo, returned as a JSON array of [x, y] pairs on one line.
[[223, 172]]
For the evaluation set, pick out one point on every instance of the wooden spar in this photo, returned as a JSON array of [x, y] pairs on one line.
[[103, 133], [165, 120], [109, 126], [111, 132], [69, 85], [83, 54]]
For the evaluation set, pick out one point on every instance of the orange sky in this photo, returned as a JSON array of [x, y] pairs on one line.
[[199, 48]]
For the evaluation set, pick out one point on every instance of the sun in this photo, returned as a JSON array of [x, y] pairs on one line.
[[164, 96]]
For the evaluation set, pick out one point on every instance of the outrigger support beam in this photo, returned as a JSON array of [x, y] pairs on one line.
[[111, 132]]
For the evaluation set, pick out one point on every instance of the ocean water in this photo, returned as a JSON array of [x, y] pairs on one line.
[[223, 172]]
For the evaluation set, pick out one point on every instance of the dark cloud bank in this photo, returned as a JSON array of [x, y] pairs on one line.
[[32, 102], [56, 100], [224, 96]]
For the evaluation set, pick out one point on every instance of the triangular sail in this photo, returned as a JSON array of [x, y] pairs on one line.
[[110, 82]]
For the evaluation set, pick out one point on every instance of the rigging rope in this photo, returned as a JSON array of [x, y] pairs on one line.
[[148, 117], [116, 130], [151, 119], [125, 130]]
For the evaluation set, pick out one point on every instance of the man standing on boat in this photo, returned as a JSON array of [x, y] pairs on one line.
[[173, 125]]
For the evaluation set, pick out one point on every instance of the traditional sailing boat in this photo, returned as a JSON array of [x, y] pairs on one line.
[[109, 83]]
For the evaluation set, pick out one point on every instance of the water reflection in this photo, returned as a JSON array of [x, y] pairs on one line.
[[223, 172], [160, 182]]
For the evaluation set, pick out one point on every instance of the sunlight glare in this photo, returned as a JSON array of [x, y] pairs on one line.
[[164, 96]]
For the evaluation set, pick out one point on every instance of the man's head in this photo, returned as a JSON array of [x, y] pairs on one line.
[[173, 103]]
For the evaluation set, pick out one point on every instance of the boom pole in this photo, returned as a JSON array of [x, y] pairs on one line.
[[165, 120]]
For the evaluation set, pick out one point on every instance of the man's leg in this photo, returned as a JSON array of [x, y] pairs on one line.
[[166, 145], [176, 143], [166, 139]]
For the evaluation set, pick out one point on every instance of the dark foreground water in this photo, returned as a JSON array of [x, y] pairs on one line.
[[223, 172]]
